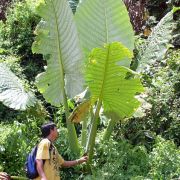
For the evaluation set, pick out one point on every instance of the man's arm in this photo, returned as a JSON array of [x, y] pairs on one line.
[[40, 169], [75, 162]]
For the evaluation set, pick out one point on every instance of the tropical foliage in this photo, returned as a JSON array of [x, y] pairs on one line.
[[158, 42], [12, 93], [99, 25], [59, 55], [88, 70], [112, 89], [57, 40]]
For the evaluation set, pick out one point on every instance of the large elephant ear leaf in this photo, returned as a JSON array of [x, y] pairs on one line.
[[12, 92], [57, 40], [114, 85], [102, 21], [157, 43]]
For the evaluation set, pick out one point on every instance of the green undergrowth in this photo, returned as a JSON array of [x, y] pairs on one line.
[[123, 161], [114, 160]]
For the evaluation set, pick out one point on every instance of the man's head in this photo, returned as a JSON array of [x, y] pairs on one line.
[[49, 130]]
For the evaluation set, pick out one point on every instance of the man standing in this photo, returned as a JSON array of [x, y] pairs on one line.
[[48, 160]]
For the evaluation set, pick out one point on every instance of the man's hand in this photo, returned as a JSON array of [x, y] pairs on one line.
[[82, 159], [75, 162], [43, 178], [4, 176]]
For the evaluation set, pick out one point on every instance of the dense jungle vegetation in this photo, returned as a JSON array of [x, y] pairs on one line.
[[106, 72]]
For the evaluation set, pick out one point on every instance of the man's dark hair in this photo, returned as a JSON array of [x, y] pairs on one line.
[[46, 129]]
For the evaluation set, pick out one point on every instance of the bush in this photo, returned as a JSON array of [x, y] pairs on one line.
[[162, 118], [17, 31], [17, 36], [164, 97], [119, 160], [164, 160], [122, 161], [17, 141]]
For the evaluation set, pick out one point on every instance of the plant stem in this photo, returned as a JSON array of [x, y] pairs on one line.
[[93, 132], [19, 178], [109, 130], [84, 132], [73, 140], [72, 136]]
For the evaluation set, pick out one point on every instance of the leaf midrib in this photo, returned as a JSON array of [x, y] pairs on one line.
[[59, 52], [106, 26], [104, 78], [107, 57]]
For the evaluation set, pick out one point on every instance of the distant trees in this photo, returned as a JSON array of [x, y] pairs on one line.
[[137, 13], [3, 6]]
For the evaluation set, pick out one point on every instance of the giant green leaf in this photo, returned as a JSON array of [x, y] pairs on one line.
[[157, 43], [110, 83], [103, 21], [57, 40], [12, 92]]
